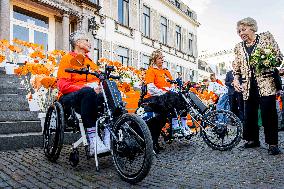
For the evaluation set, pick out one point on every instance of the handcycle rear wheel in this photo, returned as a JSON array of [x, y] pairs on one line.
[[132, 148], [222, 130], [53, 133]]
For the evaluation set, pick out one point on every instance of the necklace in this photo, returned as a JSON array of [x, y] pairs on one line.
[[251, 43]]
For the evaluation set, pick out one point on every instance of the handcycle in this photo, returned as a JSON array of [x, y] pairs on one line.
[[131, 144], [220, 129]]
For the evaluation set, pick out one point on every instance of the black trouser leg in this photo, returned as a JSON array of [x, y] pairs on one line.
[[269, 119], [85, 102], [240, 102], [251, 129], [155, 126]]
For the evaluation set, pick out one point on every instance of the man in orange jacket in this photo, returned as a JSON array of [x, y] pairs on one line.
[[74, 87]]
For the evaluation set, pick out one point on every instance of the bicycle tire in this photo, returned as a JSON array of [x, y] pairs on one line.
[[213, 120], [54, 125], [133, 138]]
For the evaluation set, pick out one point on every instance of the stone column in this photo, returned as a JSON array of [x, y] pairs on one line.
[[85, 24], [5, 19], [65, 29]]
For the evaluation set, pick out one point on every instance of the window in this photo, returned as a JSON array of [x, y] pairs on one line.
[[123, 56], [145, 61], [179, 69], [190, 44], [146, 21], [177, 3], [97, 50], [30, 26], [123, 12], [178, 37], [167, 65], [222, 68], [189, 13], [164, 30]]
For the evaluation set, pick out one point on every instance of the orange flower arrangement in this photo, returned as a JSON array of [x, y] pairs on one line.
[[48, 82], [15, 49], [58, 53], [124, 87], [205, 96], [37, 54], [2, 58], [52, 59], [5, 43]]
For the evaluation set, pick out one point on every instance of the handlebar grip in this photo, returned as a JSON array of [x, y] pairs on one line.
[[69, 70], [114, 77], [81, 71], [110, 68], [172, 81], [96, 74]]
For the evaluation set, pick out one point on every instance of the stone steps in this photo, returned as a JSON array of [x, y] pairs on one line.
[[18, 116], [19, 127], [13, 98], [30, 140], [14, 106], [12, 90]]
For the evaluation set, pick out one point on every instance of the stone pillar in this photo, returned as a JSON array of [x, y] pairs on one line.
[[65, 29], [85, 24], [5, 19]]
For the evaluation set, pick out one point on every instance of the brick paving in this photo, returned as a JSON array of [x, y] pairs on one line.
[[183, 164]]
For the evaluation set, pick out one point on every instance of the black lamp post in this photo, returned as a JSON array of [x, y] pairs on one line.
[[93, 26]]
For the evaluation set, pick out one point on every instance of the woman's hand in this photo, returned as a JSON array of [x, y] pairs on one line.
[[279, 59], [98, 89], [237, 86]]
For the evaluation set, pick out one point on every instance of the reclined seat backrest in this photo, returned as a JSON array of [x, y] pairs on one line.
[[143, 93]]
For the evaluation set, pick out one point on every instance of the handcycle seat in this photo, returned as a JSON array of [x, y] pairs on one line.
[[142, 94], [72, 117]]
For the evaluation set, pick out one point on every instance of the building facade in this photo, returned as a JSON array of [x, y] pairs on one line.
[[203, 71], [124, 30], [219, 62]]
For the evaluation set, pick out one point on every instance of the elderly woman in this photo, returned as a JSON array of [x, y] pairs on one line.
[[161, 98], [75, 88], [259, 84]]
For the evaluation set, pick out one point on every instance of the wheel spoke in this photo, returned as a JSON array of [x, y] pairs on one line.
[[222, 131]]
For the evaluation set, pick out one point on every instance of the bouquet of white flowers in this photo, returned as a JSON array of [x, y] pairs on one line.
[[263, 59]]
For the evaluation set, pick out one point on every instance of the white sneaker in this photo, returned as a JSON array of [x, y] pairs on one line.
[[101, 147], [186, 132], [107, 139]]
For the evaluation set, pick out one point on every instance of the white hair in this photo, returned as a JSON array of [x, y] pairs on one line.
[[77, 35], [248, 22]]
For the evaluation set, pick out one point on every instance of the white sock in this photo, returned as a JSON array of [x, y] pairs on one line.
[[91, 133], [184, 122], [184, 125], [107, 138], [175, 123]]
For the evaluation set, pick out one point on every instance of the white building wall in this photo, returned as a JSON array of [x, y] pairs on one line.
[[113, 34], [215, 59]]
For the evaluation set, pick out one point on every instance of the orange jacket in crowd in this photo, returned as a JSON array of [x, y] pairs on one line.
[[71, 82], [219, 81], [159, 77]]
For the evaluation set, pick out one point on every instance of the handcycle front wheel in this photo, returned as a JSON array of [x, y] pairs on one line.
[[53, 132], [221, 130], [132, 148]]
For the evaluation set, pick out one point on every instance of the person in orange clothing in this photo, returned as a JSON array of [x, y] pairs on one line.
[[161, 98], [75, 88], [214, 79]]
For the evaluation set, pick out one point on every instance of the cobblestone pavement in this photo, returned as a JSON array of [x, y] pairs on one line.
[[183, 164]]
